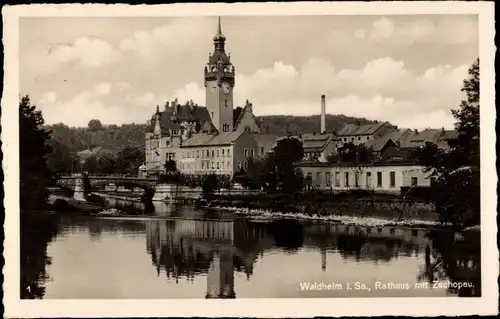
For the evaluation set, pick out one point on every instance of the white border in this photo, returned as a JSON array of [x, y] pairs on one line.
[[486, 305]]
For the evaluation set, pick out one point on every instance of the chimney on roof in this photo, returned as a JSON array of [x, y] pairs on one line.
[[167, 105], [323, 115], [416, 131], [358, 123]]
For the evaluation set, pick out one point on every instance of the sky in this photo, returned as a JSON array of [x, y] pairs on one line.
[[405, 69]]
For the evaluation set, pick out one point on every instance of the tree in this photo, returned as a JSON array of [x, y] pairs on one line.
[[61, 160], [351, 153], [287, 152], [456, 172], [209, 186], [241, 177], [170, 166], [95, 125], [35, 176], [129, 159]]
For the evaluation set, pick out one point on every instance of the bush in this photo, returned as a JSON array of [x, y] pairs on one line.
[[60, 205]]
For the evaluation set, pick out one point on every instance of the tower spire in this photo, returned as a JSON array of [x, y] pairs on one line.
[[219, 38], [219, 29]]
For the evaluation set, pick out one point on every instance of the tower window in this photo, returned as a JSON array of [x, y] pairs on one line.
[[212, 114], [225, 103]]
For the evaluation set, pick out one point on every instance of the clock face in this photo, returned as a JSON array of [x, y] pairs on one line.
[[225, 87]]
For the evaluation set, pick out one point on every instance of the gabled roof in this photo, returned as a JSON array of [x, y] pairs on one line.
[[224, 138], [171, 116], [378, 145], [419, 138], [365, 129], [265, 138]]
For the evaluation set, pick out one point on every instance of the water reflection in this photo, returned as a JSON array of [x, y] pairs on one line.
[[229, 258], [37, 232]]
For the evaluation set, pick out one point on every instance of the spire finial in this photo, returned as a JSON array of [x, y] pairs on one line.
[[219, 36], [219, 28]]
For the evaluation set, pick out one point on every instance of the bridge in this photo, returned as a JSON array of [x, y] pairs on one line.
[[75, 182]]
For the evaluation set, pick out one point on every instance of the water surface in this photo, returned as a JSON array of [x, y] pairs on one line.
[[194, 254]]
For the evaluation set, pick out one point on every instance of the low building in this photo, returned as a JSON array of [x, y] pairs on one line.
[[380, 177], [221, 154]]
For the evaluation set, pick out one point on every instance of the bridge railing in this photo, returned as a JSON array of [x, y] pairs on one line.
[[109, 176]]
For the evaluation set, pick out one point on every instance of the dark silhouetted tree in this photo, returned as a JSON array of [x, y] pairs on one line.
[[34, 173], [95, 125], [209, 186], [455, 171]]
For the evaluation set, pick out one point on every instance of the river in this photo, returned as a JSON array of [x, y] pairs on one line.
[[194, 254]]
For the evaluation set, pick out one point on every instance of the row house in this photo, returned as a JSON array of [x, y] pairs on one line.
[[221, 154], [379, 177]]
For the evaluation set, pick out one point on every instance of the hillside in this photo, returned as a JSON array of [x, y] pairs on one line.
[[115, 138]]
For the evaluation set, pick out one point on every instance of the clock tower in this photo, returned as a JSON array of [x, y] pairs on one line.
[[219, 84]]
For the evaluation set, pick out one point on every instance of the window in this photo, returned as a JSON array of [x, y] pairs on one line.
[[246, 152], [368, 179], [346, 179], [212, 153], [345, 139], [239, 165], [337, 179], [228, 165], [167, 143], [246, 164], [327, 178], [212, 114], [222, 152], [367, 138], [356, 179], [414, 181], [213, 165], [217, 153], [379, 179], [309, 176], [318, 178], [218, 165], [359, 138], [197, 153], [228, 152], [392, 177], [222, 165], [262, 150], [252, 152], [225, 103], [352, 138], [202, 165]]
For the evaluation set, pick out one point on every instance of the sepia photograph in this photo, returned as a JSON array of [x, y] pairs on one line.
[[200, 153]]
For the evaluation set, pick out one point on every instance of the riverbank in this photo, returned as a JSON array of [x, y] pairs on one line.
[[263, 215]]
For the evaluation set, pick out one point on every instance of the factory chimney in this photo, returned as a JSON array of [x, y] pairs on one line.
[[323, 119]]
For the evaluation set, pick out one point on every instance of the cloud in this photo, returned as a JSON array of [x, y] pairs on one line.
[[453, 30], [122, 86], [85, 52], [48, 98], [102, 89]]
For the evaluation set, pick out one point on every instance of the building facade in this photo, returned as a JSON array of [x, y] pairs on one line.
[[180, 130], [376, 177]]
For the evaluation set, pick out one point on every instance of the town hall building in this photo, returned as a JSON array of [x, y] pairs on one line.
[[205, 139]]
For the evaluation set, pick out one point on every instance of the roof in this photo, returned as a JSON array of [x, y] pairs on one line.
[[224, 138], [171, 115], [365, 129], [436, 136], [378, 144], [399, 153], [265, 138], [85, 154]]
